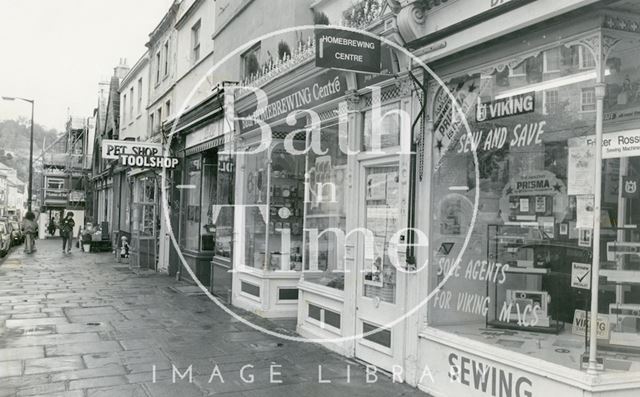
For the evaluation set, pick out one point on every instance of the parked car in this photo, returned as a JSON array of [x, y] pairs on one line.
[[17, 237], [5, 239]]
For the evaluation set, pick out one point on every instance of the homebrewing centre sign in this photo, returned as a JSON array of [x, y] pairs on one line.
[[137, 154], [347, 50]]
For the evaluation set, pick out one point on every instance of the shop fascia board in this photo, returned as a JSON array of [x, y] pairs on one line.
[[504, 50], [498, 27], [591, 383]]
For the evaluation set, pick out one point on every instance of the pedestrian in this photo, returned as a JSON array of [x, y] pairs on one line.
[[52, 227], [66, 231], [30, 230]]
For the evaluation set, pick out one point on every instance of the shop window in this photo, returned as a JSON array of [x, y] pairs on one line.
[[588, 100], [209, 198], [145, 217], [190, 226], [222, 216], [326, 212], [273, 195], [388, 132], [515, 272], [382, 337]]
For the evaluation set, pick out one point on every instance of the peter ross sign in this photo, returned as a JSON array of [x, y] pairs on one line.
[[347, 50], [137, 154]]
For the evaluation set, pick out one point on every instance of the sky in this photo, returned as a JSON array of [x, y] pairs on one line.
[[57, 51]]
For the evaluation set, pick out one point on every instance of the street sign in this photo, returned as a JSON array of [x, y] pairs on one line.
[[581, 275], [347, 50]]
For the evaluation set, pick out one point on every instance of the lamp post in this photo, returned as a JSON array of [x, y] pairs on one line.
[[30, 187]]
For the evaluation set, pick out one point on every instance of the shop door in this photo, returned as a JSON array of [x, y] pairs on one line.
[[379, 298]]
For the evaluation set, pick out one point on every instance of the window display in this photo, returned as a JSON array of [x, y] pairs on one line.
[[515, 272], [222, 211], [190, 227], [273, 198], [325, 212], [209, 183]]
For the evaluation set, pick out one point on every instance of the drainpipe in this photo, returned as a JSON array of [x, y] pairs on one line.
[[600, 89]]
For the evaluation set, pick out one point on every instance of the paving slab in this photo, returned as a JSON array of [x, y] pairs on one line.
[[53, 364], [83, 325]]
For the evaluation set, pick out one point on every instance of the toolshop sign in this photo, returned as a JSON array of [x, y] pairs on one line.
[[346, 50], [137, 154]]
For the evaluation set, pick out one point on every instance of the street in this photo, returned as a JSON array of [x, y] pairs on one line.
[[85, 325]]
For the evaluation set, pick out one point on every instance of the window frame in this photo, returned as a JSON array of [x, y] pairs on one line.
[[195, 41], [583, 91]]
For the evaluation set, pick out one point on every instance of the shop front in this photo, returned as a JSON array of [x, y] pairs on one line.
[[206, 194], [530, 231]]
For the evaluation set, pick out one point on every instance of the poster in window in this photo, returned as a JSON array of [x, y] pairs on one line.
[[564, 229], [581, 167], [376, 187], [548, 225], [524, 204], [373, 274], [541, 204], [584, 212]]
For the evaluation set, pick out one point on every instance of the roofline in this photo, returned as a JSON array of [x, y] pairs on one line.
[[137, 67], [171, 13]]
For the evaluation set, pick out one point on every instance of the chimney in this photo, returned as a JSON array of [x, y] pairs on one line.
[[122, 69]]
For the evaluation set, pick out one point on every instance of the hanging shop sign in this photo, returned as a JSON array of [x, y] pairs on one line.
[[312, 92], [347, 50], [112, 149], [137, 154]]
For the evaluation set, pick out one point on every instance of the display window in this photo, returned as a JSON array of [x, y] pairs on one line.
[[144, 221], [510, 271], [325, 215], [273, 197], [190, 220], [209, 198], [222, 211]]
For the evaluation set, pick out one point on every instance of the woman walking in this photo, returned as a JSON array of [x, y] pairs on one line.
[[66, 231]]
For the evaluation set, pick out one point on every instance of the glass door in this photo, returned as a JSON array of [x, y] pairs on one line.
[[378, 302]]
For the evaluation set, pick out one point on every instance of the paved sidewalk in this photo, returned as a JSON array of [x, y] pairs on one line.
[[84, 325]]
